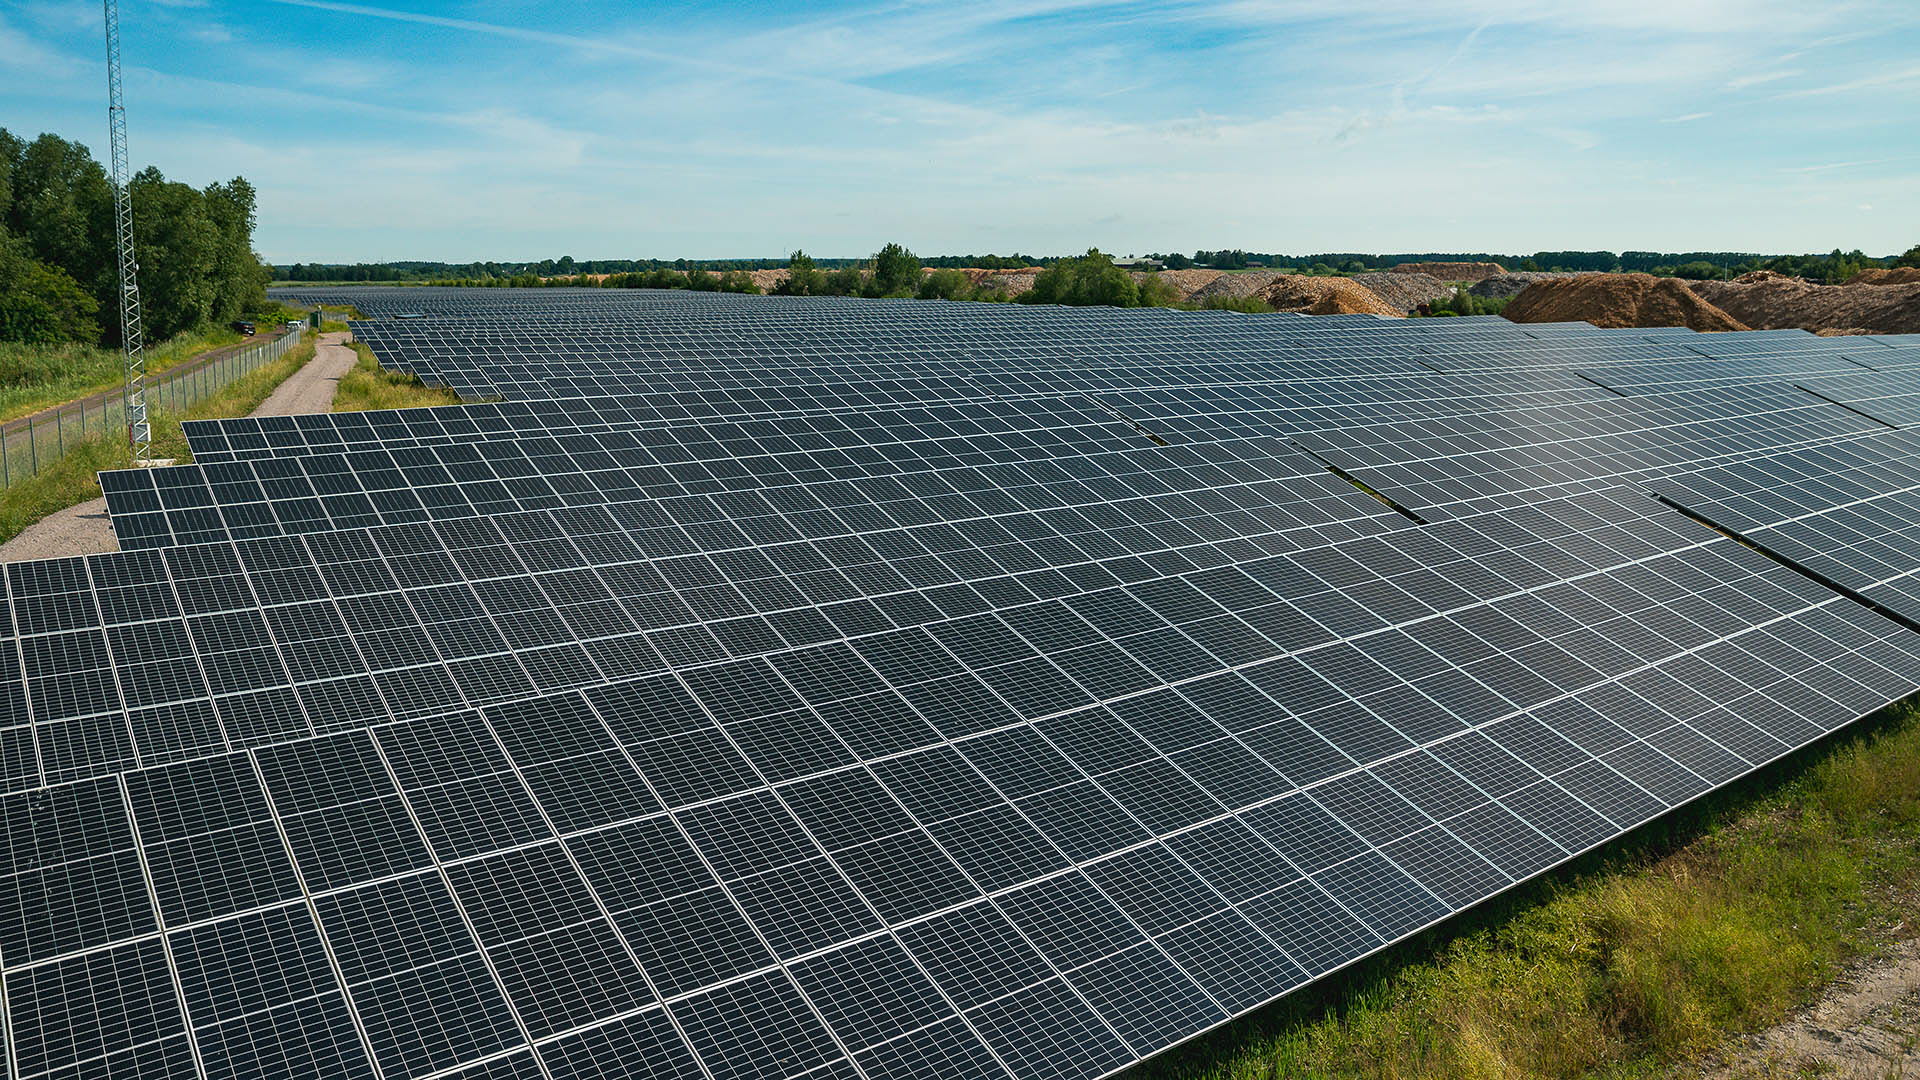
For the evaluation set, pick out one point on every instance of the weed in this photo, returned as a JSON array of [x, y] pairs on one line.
[[370, 386]]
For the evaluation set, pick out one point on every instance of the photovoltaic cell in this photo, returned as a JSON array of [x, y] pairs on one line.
[[868, 689]]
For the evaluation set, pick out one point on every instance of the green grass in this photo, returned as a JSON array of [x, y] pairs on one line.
[[35, 377], [369, 386], [1644, 960], [73, 478]]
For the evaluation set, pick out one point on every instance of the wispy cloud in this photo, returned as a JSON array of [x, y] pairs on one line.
[[498, 128]]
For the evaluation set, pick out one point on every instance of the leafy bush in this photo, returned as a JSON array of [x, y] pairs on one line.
[[738, 281], [896, 272], [1248, 305], [945, 285], [1089, 280], [802, 278], [43, 305], [1463, 302]]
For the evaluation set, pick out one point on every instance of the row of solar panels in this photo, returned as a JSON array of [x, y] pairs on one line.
[[885, 717]]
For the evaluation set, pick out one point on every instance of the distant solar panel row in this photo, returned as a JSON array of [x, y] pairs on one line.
[[789, 687]]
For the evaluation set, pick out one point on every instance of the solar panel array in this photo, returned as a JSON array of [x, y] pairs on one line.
[[790, 687]]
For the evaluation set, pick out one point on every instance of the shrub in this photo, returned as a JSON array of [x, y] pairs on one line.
[[945, 285], [1089, 280], [896, 272]]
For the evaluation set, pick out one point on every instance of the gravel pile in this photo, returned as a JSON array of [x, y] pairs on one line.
[[1404, 291], [1236, 286], [1452, 271], [1185, 283], [1325, 296], [1501, 286]]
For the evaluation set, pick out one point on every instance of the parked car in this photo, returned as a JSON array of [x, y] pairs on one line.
[[294, 324], [244, 327]]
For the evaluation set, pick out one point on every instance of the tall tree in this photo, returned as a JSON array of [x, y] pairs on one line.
[[896, 271]]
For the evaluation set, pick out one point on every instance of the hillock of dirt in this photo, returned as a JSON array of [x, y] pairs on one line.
[[1404, 291], [1765, 300], [1451, 271], [1325, 296], [1899, 275], [1501, 286], [1618, 300]]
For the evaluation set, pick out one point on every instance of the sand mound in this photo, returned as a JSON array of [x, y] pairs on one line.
[[1451, 271], [1324, 296], [1899, 275], [1769, 301], [1618, 300], [1404, 291]]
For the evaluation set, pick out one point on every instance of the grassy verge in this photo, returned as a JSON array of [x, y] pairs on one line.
[[34, 377], [369, 386], [1639, 965], [74, 477]]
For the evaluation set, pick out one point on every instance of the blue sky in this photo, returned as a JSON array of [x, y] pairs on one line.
[[510, 130]]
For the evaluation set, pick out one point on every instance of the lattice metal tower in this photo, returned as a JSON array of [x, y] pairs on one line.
[[139, 430]]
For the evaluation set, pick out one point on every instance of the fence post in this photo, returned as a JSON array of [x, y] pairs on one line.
[[33, 451]]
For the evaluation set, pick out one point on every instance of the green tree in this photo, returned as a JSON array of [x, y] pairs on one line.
[[178, 249], [42, 304], [1091, 279], [240, 280], [896, 272], [803, 279], [945, 285], [61, 206], [738, 281], [846, 281], [1177, 261], [1911, 258]]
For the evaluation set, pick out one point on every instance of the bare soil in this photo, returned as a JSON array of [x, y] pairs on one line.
[[1618, 300], [1325, 296], [1452, 271], [1866, 1026], [86, 530], [1185, 283], [1765, 300], [1405, 291], [1899, 275]]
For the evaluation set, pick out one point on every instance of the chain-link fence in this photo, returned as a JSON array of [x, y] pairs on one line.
[[31, 443]]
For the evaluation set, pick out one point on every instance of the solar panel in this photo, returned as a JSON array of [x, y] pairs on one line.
[[979, 690]]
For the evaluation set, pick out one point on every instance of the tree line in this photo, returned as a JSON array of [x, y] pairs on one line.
[[59, 267], [1835, 266], [894, 272]]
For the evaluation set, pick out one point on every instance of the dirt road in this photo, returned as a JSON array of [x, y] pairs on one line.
[[84, 529]]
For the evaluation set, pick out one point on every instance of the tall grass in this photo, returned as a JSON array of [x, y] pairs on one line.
[[1646, 962], [34, 377], [370, 386]]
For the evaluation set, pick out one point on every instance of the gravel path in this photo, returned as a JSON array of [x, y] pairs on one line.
[[84, 529]]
